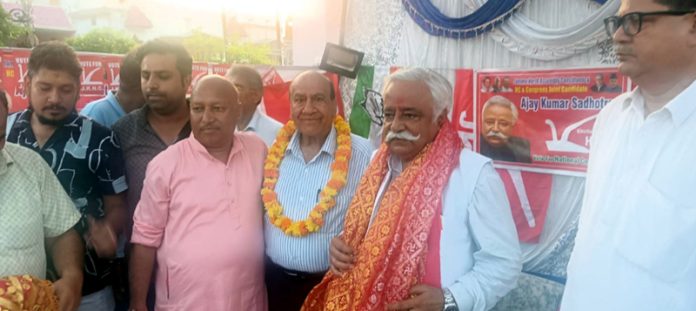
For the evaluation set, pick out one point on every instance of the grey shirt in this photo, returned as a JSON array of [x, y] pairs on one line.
[[140, 144]]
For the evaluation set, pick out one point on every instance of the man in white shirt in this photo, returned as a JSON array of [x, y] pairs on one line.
[[250, 88], [636, 245], [429, 227]]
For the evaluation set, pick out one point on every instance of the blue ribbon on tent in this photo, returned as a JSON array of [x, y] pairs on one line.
[[489, 15], [600, 1]]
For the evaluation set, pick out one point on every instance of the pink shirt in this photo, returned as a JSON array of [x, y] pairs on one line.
[[206, 220]]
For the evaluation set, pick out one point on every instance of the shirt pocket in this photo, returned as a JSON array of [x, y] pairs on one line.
[[657, 234], [169, 300]]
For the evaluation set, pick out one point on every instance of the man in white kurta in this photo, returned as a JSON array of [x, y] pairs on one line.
[[430, 227], [636, 242]]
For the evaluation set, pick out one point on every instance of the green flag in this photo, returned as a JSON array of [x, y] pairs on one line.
[[359, 119]]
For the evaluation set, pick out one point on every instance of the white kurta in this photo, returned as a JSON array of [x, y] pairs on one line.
[[479, 250], [636, 243]]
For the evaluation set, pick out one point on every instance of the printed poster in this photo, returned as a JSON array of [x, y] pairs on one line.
[[542, 121]]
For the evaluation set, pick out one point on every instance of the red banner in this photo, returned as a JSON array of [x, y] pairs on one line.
[[93, 80], [14, 70], [542, 120], [276, 100], [463, 113], [197, 72], [112, 67], [219, 69], [99, 75]]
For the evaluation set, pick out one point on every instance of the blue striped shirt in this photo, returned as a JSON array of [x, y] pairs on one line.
[[298, 190]]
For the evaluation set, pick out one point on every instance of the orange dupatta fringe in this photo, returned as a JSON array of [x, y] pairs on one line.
[[19, 293], [390, 256]]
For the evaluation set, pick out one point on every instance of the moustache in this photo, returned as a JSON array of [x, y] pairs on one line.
[[404, 135], [54, 107], [622, 49], [496, 134], [148, 94]]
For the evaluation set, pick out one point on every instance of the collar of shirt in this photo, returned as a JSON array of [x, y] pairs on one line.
[[395, 165], [679, 108], [141, 116], [141, 121], [329, 146], [199, 148], [5, 161], [113, 101], [254, 122]]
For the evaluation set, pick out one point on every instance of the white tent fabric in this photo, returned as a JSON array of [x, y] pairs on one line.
[[523, 36], [542, 34]]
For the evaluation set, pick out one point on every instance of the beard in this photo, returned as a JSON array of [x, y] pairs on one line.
[[52, 122]]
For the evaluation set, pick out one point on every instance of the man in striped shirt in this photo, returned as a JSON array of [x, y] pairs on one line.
[[296, 263]]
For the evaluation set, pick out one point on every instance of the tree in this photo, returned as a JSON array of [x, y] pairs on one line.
[[9, 31], [250, 53], [204, 47], [208, 48], [103, 40]]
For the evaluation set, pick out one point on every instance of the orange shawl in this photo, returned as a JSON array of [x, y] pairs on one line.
[[391, 255], [19, 293]]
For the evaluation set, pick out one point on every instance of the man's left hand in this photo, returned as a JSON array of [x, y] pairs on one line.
[[423, 298], [69, 292], [102, 238]]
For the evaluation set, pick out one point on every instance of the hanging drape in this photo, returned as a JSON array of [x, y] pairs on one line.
[[434, 22], [523, 36]]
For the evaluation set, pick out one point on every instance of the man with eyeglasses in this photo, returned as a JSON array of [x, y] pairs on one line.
[[636, 243]]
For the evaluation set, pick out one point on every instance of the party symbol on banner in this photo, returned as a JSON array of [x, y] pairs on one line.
[[374, 106], [20, 89], [564, 145], [88, 78]]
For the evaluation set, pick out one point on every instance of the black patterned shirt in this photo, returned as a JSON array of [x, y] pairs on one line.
[[87, 159]]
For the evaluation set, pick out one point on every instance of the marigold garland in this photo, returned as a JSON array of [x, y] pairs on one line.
[[339, 176]]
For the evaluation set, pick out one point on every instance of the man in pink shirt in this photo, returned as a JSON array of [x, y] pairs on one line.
[[200, 213]]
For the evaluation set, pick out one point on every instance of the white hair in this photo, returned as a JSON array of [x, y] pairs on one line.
[[498, 100], [440, 88]]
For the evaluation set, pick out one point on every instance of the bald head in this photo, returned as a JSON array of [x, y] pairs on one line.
[[214, 112], [250, 91], [313, 77], [216, 84]]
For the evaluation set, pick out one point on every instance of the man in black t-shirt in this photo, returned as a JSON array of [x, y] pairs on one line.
[[85, 156]]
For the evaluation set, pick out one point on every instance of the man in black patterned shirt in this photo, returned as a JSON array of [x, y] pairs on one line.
[[84, 155]]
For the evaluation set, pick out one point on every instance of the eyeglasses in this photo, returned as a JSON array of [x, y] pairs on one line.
[[632, 22]]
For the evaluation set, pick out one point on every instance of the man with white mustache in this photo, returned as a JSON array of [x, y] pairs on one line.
[[635, 247], [499, 116], [429, 227], [404, 135]]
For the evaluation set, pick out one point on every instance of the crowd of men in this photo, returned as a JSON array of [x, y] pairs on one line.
[[206, 203]]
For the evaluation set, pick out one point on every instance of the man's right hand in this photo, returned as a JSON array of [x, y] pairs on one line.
[[341, 256], [68, 289], [137, 306]]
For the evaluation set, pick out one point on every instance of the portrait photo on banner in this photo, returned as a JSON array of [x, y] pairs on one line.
[[541, 121]]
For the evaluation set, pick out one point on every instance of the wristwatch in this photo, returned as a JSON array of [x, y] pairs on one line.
[[450, 303]]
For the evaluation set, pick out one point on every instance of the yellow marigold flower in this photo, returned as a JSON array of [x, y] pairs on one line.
[[339, 173]]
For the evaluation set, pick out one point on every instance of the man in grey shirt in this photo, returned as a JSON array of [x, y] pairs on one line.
[[165, 70]]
